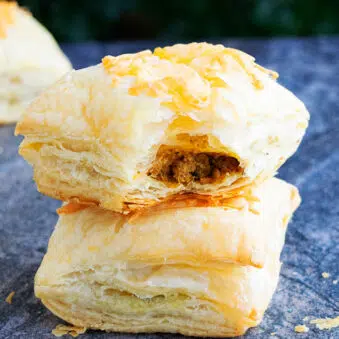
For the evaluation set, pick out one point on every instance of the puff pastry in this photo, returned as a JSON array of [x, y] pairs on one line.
[[187, 270], [139, 128], [30, 60]]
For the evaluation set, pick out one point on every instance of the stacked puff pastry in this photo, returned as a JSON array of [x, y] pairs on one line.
[[172, 220], [30, 60]]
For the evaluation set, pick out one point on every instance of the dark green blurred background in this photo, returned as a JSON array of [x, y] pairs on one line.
[[184, 19]]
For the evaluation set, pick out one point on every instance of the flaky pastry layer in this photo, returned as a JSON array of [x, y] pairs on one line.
[[204, 271], [176, 299], [245, 231], [100, 133]]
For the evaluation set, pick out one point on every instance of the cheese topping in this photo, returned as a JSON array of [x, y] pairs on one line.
[[7, 10], [71, 208], [185, 77]]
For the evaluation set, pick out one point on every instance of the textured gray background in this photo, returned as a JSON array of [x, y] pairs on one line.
[[310, 68]]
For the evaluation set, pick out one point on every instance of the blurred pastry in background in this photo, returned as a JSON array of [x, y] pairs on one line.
[[30, 60]]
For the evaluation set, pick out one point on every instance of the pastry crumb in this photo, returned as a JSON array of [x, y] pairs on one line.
[[273, 333], [335, 282], [306, 318], [73, 331], [10, 297], [326, 323], [325, 275], [301, 329]]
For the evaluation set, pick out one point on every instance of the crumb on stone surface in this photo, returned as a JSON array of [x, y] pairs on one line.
[[73, 331], [325, 275], [335, 282], [306, 319], [273, 333], [326, 323], [301, 329], [10, 297]]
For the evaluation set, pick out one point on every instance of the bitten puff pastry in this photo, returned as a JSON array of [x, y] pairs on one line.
[[189, 269], [140, 128], [30, 60]]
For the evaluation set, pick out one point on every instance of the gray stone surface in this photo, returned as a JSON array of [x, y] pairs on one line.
[[309, 67]]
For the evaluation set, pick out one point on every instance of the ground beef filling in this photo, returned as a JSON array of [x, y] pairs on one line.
[[185, 167]]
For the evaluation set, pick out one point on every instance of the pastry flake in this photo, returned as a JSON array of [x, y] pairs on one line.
[[73, 331], [301, 329], [9, 298], [326, 323]]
